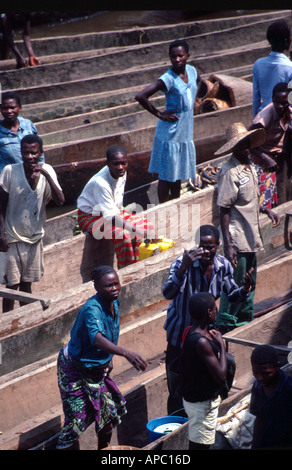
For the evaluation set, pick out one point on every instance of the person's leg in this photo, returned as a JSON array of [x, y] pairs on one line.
[[175, 189], [104, 436], [172, 361], [163, 191], [8, 304], [196, 446], [25, 287], [234, 314]]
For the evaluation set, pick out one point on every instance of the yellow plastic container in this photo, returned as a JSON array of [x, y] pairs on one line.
[[148, 248]]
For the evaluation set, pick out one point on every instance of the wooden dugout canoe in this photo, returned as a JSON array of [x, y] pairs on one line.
[[74, 168], [133, 56], [18, 339], [142, 35], [146, 394]]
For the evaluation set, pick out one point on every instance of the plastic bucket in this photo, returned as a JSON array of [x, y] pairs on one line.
[[159, 427]]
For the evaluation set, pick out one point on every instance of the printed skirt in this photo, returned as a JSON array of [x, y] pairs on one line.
[[126, 245], [88, 395], [268, 187]]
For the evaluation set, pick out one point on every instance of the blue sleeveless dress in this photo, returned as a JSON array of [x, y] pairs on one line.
[[173, 154]]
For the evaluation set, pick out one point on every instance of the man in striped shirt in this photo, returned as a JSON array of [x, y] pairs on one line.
[[198, 270]]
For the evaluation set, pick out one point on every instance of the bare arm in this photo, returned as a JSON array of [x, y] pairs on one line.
[[266, 160], [272, 215], [57, 193], [217, 368], [143, 98], [134, 358]]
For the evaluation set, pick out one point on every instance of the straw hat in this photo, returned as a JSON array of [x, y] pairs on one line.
[[236, 133]]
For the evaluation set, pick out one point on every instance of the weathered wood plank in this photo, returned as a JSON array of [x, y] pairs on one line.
[[131, 57], [142, 35], [24, 297]]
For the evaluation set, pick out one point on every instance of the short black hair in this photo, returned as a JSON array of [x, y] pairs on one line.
[[281, 87], [11, 95], [199, 304], [265, 354], [209, 230], [179, 43], [113, 150], [278, 32], [32, 139]]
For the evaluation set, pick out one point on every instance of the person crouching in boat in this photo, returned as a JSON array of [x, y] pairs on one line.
[[88, 392], [100, 210]]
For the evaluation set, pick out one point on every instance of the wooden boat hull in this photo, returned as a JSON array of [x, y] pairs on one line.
[[31, 336], [146, 395], [74, 174], [137, 55]]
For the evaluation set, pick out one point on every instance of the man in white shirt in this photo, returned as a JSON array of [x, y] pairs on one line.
[[275, 68], [25, 189], [100, 210]]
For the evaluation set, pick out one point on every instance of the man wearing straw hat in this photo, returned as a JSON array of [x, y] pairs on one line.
[[238, 200]]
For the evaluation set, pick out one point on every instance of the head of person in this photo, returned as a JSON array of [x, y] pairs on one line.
[[278, 35], [240, 141], [209, 240], [202, 308], [280, 98], [265, 365], [10, 106], [117, 161], [31, 150], [106, 282], [178, 53]]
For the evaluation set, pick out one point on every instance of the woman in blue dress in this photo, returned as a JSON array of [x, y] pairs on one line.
[[173, 155]]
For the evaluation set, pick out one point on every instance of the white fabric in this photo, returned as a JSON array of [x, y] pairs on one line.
[[26, 209], [237, 429], [103, 194], [202, 420]]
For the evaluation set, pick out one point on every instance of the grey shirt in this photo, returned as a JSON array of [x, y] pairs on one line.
[[238, 190]]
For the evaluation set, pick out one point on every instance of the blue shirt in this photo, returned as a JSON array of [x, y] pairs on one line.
[[267, 72], [274, 412], [192, 282], [94, 317], [10, 142]]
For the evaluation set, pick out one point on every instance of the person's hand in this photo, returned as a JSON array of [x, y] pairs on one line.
[[248, 282], [231, 255], [216, 336], [169, 116], [33, 61], [21, 63], [269, 163], [274, 217], [190, 256], [136, 360]]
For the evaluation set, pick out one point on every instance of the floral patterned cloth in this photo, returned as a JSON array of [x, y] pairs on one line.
[[88, 395]]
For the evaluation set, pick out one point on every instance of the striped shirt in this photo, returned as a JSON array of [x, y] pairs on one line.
[[10, 152], [192, 282]]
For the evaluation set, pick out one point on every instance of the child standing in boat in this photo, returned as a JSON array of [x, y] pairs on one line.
[[173, 155], [204, 370]]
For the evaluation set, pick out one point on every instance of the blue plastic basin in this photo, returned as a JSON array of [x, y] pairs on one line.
[[165, 425]]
